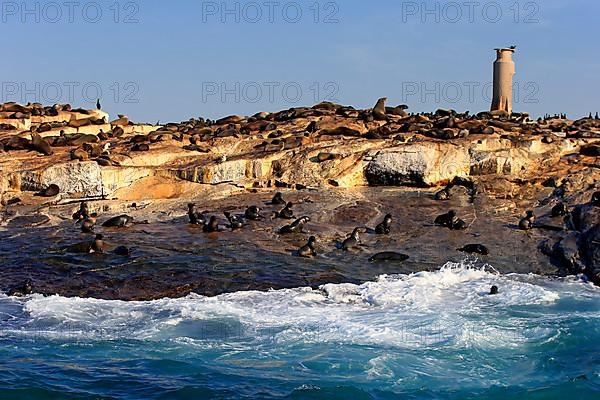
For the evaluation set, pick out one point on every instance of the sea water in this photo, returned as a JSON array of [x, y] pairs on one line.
[[427, 335]]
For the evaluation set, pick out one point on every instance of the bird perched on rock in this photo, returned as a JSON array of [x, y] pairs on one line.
[[526, 223], [98, 106]]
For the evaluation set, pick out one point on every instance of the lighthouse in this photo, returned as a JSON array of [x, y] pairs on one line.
[[504, 70]]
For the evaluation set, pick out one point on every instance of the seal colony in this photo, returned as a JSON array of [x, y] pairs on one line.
[[456, 159]]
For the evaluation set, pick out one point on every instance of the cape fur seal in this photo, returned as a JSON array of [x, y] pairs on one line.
[[87, 226], [308, 250], [388, 256], [526, 223], [50, 191], [24, 289], [384, 227], [450, 221], [39, 144], [295, 227], [120, 221], [379, 110], [278, 199], [353, 240], [83, 212], [235, 222], [211, 226], [475, 249], [195, 218], [253, 213], [286, 212]]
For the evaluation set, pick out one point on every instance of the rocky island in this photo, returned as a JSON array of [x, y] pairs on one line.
[[342, 167]]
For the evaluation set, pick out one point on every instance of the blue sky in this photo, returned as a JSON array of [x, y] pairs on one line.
[[154, 60]]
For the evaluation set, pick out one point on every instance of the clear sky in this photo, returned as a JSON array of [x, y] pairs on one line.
[[172, 60]]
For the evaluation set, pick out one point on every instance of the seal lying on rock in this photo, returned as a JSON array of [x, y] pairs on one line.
[[384, 227], [295, 227], [451, 221], [50, 191], [121, 221], [475, 249], [388, 256], [308, 250]]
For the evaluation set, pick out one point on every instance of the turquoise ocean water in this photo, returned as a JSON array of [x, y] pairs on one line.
[[430, 335]]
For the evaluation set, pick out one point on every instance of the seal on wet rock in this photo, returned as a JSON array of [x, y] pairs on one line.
[[286, 212], [450, 221], [295, 227], [475, 249], [235, 222], [353, 240], [278, 199], [195, 217], [253, 213], [308, 250], [384, 227], [388, 256], [24, 289], [87, 226], [120, 221], [211, 226], [559, 210], [526, 223]]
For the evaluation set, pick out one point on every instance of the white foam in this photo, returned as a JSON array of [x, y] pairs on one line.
[[446, 307]]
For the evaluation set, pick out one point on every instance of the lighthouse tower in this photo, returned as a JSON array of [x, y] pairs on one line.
[[504, 70]]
